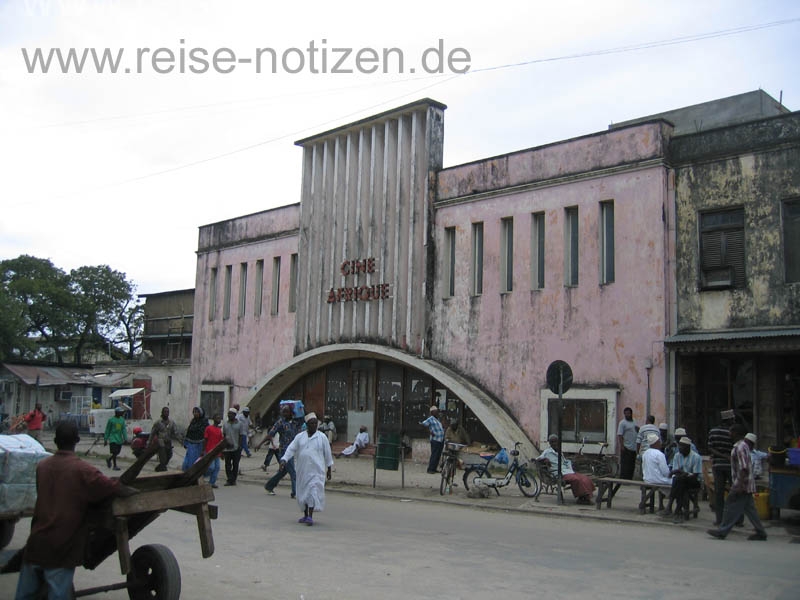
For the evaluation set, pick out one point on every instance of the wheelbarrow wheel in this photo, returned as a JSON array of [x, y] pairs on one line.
[[154, 574]]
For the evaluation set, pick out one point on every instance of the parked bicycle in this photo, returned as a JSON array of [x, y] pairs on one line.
[[526, 480], [449, 464], [599, 465]]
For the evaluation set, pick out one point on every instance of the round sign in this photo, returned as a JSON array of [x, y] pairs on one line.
[[559, 377]]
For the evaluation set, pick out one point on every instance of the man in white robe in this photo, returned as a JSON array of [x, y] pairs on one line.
[[312, 462], [362, 441]]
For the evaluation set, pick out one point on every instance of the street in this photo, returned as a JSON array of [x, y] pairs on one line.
[[365, 547]]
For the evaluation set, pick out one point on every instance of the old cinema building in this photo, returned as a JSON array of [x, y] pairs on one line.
[[395, 284]]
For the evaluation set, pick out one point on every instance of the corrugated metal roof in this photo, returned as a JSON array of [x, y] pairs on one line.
[[732, 334], [53, 376]]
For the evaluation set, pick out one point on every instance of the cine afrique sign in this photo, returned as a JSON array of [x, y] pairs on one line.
[[358, 293]]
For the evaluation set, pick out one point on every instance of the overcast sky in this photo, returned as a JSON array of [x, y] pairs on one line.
[[122, 169]]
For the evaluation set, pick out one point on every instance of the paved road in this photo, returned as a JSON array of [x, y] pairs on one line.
[[368, 548]]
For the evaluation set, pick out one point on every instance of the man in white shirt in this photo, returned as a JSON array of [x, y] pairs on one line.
[[654, 463]]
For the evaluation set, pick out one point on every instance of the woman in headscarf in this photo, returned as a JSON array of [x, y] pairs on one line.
[[193, 440]]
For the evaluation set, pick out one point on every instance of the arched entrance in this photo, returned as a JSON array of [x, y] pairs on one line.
[[503, 428]]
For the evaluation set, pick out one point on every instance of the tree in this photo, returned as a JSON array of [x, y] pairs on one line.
[[87, 309], [42, 292], [131, 325]]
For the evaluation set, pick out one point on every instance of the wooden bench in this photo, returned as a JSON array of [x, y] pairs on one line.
[[607, 488]]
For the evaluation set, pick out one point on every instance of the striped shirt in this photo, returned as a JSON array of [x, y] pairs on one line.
[[692, 463], [435, 427], [719, 439], [744, 479]]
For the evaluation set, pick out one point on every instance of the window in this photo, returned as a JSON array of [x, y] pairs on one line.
[[476, 276], [607, 242], [212, 295], [581, 418], [507, 254], [571, 246], [242, 289], [589, 413], [259, 295], [293, 283], [449, 262], [276, 284], [537, 251], [169, 384], [722, 249], [791, 240], [226, 307]]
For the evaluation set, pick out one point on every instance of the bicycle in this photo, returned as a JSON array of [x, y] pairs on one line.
[[601, 465], [479, 475], [449, 465]]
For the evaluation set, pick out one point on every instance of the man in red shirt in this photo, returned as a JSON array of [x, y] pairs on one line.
[[65, 486], [212, 437], [34, 420]]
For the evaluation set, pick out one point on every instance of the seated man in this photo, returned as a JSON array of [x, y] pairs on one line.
[[654, 463], [687, 468], [456, 434], [361, 442], [328, 427], [582, 485]]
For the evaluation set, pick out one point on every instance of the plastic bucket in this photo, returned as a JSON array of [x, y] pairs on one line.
[[762, 505], [794, 456]]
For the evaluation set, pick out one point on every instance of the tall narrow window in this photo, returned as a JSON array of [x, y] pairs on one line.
[[276, 284], [449, 262], [477, 259], [537, 251], [226, 306], [169, 384], [607, 241], [259, 289], [212, 295], [791, 240], [293, 283], [722, 249], [571, 246], [507, 254], [242, 289]]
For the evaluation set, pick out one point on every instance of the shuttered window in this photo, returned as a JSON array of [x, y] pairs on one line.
[[722, 254]]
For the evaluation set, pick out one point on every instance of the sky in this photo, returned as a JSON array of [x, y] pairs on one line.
[[123, 168]]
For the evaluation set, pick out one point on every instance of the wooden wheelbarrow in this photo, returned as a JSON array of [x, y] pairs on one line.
[[152, 570]]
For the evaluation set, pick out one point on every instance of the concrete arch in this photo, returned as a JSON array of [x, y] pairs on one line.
[[502, 427]]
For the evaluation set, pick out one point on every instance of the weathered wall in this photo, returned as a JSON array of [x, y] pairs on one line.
[[365, 197], [608, 333], [236, 351], [754, 166]]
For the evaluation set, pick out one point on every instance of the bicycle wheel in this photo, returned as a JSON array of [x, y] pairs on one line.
[[528, 484], [448, 471], [473, 473], [607, 468]]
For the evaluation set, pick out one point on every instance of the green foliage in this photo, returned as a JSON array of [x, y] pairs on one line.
[[67, 313]]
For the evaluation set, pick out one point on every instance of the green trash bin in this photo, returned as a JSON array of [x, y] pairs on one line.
[[387, 454]]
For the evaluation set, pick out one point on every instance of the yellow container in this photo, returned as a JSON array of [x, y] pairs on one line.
[[762, 505]]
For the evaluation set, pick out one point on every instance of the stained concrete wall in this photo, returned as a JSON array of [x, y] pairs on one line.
[[233, 353], [754, 166], [610, 334], [365, 197]]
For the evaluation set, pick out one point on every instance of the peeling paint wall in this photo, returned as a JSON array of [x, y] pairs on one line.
[[236, 351], [754, 166], [608, 333]]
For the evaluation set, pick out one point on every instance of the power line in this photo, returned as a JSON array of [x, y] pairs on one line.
[[317, 126]]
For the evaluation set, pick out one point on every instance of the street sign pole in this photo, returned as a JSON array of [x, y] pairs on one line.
[[559, 380]]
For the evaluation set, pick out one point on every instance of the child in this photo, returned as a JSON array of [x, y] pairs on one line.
[[139, 442]]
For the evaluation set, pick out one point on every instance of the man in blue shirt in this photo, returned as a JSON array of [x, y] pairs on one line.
[[288, 429], [686, 470], [437, 438]]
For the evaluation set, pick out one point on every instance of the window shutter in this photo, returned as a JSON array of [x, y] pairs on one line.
[[734, 255]]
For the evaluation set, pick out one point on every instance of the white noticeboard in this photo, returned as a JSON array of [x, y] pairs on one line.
[[98, 418]]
